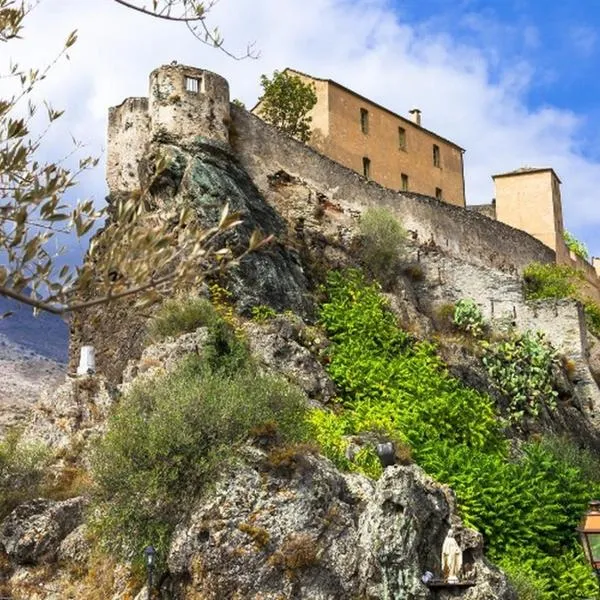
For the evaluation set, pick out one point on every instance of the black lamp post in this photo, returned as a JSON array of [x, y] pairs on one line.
[[590, 536], [150, 556]]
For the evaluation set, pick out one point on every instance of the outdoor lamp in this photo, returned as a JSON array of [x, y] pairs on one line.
[[590, 536], [387, 454], [150, 556]]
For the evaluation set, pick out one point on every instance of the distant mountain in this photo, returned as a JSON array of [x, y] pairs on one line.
[[46, 334]]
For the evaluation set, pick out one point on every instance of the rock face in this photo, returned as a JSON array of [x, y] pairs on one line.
[[208, 176], [297, 528], [281, 347], [32, 533], [70, 414]]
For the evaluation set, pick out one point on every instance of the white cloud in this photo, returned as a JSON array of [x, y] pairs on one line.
[[360, 44]]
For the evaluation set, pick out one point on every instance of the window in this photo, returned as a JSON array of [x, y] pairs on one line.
[[192, 85], [404, 186], [364, 120], [366, 167], [438, 193], [401, 138], [436, 156]]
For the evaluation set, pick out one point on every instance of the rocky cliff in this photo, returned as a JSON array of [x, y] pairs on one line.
[[280, 520]]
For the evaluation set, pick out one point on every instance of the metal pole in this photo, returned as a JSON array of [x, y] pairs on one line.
[[150, 567]]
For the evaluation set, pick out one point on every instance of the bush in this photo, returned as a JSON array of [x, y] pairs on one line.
[[177, 316], [523, 369], [550, 281], [22, 469], [575, 246], [383, 244], [527, 506], [468, 317], [172, 436], [592, 317]]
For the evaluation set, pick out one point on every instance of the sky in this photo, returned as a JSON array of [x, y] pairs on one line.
[[514, 82]]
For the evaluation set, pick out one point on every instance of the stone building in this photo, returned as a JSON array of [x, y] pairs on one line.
[[183, 101], [392, 150], [529, 199]]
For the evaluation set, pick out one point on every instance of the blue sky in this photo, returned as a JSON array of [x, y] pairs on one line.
[[512, 81]]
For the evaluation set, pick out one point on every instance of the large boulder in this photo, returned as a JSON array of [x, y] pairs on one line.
[[33, 532], [289, 525]]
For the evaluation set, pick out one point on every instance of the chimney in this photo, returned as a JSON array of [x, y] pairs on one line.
[[416, 116]]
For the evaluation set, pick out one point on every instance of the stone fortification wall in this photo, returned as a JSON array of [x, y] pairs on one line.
[[263, 150], [188, 102], [184, 103], [128, 133]]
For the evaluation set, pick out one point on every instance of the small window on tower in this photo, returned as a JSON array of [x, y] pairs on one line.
[[366, 167], [438, 194], [192, 85]]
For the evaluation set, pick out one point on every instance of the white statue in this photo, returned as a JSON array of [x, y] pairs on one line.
[[451, 558], [87, 361]]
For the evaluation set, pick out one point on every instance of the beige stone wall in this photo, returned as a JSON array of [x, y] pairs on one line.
[[347, 144], [530, 201], [337, 133], [128, 133], [263, 151]]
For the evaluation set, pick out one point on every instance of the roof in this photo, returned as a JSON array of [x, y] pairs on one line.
[[528, 171], [365, 99]]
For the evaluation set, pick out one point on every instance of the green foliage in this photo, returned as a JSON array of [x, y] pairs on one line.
[[523, 368], [575, 246], [181, 315], [468, 317], [526, 505], [383, 243], [592, 317], [22, 468], [550, 281], [286, 102], [558, 281], [170, 437], [262, 313]]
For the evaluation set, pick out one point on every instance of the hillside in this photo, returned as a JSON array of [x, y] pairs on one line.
[[235, 427]]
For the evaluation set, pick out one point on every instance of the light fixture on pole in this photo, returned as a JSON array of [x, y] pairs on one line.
[[150, 557], [590, 536]]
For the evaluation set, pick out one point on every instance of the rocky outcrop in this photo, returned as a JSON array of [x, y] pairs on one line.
[[282, 346], [70, 414], [298, 528], [208, 176], [33, 532]]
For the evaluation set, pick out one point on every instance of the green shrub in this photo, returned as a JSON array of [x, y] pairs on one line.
[[383, 244], [526, 506], [178, 315], [577, 247], [468, 317], [523, 369], [262, 313], [170, 437], [22, 467], [550, 281], [592, 317]]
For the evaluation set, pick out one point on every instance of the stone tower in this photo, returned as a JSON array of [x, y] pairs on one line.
[[529, 199], [184, 104]]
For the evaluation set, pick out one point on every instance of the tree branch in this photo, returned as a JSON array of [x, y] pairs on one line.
[[158, 15]]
